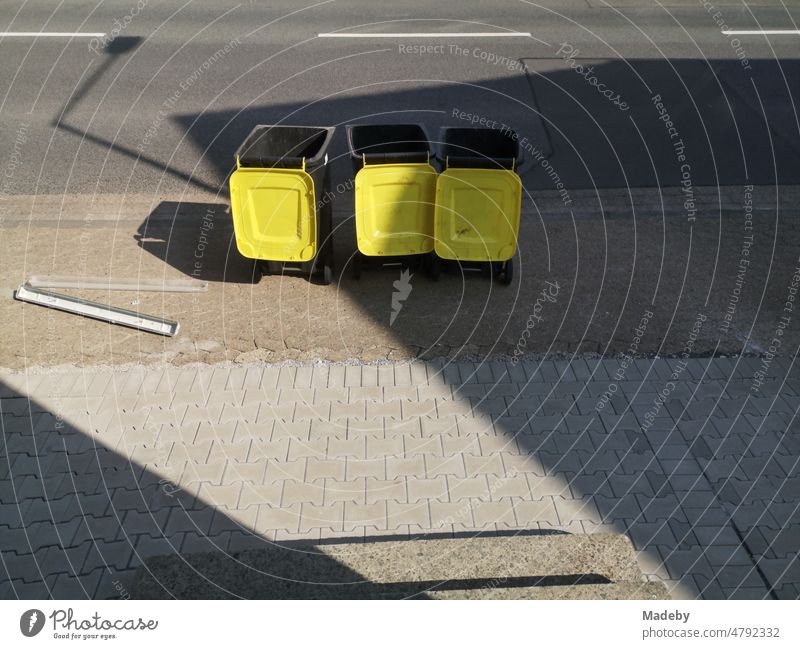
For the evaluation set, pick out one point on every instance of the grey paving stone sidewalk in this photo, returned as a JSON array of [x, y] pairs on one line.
[[100, 469]]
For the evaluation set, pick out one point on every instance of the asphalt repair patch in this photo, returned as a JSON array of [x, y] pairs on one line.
[[706, 122]]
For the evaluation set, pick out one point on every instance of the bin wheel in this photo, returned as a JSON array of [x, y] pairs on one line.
[[508, 272], [327, 274], [357, 265], [434, 267]]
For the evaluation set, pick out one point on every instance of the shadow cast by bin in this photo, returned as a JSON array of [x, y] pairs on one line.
[[197, 239]]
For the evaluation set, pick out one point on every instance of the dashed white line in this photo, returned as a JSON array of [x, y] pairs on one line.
[[759, 32], [426, 35], [54, 34]]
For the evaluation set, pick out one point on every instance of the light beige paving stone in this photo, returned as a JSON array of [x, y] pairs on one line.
[[275, 412], [324, 517], [472, 487], [236, 413], [208, 472], [541, 485], [399, 514], [386, 490], [405, 394], [336, 376], [305, 410], [402, 375], [323, 429], [484, 465], [348, 448], [375, 468], [197, 452], [487, 513], [261, 494], [297, 430], [277, 518], [295, 492], [286, 376], [322, 394], [453, 407], [399, 467], [244, 430], [390, 410], [386, 375], [535, 511], [224, 496], [412, 408], [341, 410], [455, 445], [320, 375], [319, 468], [408, 428], [440, 425], [353, 491], [260, 396], [445, 466], [365, 393], [360, 516], [414, 446], [301, 448], [391, 446], [360, 428], [420, 489], [303, 377], [352, 376], [449, 514], [509, 486], [275, 450], [290, 470], [232, 452]]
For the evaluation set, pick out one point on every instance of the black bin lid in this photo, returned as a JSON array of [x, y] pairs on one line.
[[284, 146], [478, 147], [388, 143]]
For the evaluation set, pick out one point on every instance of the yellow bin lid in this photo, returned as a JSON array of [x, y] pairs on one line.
[[274, 213], [394, 209], [477, 214]]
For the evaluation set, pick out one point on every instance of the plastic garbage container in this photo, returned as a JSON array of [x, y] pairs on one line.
[[280, 173], [395, 188], [478, 198]]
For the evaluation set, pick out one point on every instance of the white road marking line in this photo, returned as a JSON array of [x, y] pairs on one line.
[[55, 34], [427, 35], [752, 32]]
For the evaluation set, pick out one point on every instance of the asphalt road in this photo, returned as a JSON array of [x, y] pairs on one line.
[[162, 105]]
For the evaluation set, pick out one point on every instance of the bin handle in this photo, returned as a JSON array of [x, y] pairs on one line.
[[238, 166], [304, 163], [513, 163], [364, 159]]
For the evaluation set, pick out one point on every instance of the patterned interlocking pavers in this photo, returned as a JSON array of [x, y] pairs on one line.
[[100, 469]]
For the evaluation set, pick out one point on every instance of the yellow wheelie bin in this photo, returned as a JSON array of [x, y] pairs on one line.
[[280, 172], [395, 186], [478, 199]]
